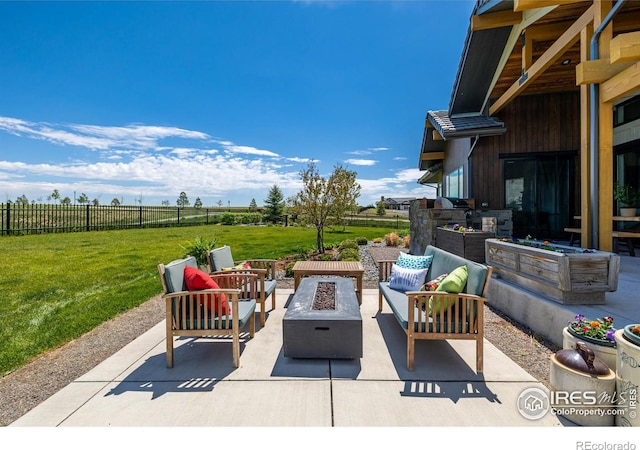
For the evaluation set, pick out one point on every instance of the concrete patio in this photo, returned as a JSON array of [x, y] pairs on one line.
[[135, 388]]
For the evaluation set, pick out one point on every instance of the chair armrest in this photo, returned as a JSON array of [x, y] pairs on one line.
[[384, 269], [269, 265]]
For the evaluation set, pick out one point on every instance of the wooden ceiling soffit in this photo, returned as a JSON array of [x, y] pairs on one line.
[[621, 85], [625, 47], [431, 156], [555, 51], [495, 20], [437, 136], [523, 5]]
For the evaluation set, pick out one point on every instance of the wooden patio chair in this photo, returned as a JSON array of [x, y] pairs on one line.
[[220, 260], [193, 313]]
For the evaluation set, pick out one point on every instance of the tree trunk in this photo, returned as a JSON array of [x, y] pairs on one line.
[[319, 239]]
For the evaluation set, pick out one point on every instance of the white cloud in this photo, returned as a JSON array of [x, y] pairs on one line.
[[400, 158], [95, 137], [232, 148], [361, 162]]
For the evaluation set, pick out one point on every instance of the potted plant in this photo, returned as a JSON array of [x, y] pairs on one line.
[[628, 374], [628, 198], [199, 248], [598, 334]]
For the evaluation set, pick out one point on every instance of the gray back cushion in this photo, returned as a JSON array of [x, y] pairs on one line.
[[221, 258], [445, 262], [174, 273]]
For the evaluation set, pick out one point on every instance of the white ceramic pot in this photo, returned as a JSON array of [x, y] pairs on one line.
[[627, 381], [607, 354], [566, 380]]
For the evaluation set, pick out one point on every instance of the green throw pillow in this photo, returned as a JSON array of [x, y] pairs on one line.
[[453, 283]]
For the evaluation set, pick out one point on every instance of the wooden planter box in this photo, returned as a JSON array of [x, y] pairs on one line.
[[468, 245], [571, 277]]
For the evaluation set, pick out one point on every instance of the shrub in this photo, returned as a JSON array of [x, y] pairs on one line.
[[349, 254], [362, 240], [406, 240], [228, 219], [348, 243], [325, 257], [199, 248], [391, 239], [377, 240]]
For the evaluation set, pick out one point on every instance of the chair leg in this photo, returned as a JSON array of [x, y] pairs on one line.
[[410, 352], [252, 325], [262, 313], [479, 354], [273, 300], [169, 350], [236, 346]]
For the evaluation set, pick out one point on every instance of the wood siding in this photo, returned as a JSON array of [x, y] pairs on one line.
[[535, 123]]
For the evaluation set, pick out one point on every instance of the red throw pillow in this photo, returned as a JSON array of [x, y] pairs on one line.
[[197, 280]]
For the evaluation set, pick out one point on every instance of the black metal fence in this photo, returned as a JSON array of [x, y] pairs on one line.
[[16, 218], [38, 218]]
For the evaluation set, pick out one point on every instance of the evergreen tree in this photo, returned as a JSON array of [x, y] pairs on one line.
[[274, 205], [183, 200], [253, 206]]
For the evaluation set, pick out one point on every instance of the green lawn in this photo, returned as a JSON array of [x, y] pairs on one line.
[[56, 287]]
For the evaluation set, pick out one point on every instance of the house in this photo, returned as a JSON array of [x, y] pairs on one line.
[[398, 203], [544, 116]]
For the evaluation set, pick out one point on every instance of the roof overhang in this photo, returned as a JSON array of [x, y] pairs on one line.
[[450, 127], [481, 56]]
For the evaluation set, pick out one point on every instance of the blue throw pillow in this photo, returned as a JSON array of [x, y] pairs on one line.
[[414, 262], [406, 279]]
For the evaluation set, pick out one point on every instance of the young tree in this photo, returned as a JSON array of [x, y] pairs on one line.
[[253, 206], [274, 205], [65, 201], [198, 203], [313, 203], [22, 200], [380, 209], [115, 202], [55, 195], [82, 199], [183, 200], [344, 192]]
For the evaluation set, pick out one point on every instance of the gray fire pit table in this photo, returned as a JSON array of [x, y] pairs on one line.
[[326, 334]]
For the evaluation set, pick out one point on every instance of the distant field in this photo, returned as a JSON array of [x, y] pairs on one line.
[[57, 287]]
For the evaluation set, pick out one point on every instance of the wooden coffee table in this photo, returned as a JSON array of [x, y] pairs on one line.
[[329, 268]]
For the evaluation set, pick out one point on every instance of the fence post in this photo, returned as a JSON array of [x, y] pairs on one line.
[[8, 218], [178, 215], [140, 217], [88, 216]]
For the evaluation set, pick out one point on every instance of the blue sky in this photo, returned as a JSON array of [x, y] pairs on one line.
[[221, 100]]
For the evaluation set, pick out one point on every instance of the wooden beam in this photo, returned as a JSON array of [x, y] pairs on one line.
[[495, 20], [598, 70], [428, 125], [605, 137], [527, 51], [585, 145], [437, 136], [621, 85], [523, 5], [555, 51], [547, 32], [625, 47], [431, 156]]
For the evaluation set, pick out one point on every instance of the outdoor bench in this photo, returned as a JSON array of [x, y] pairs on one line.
[[462, 318]]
